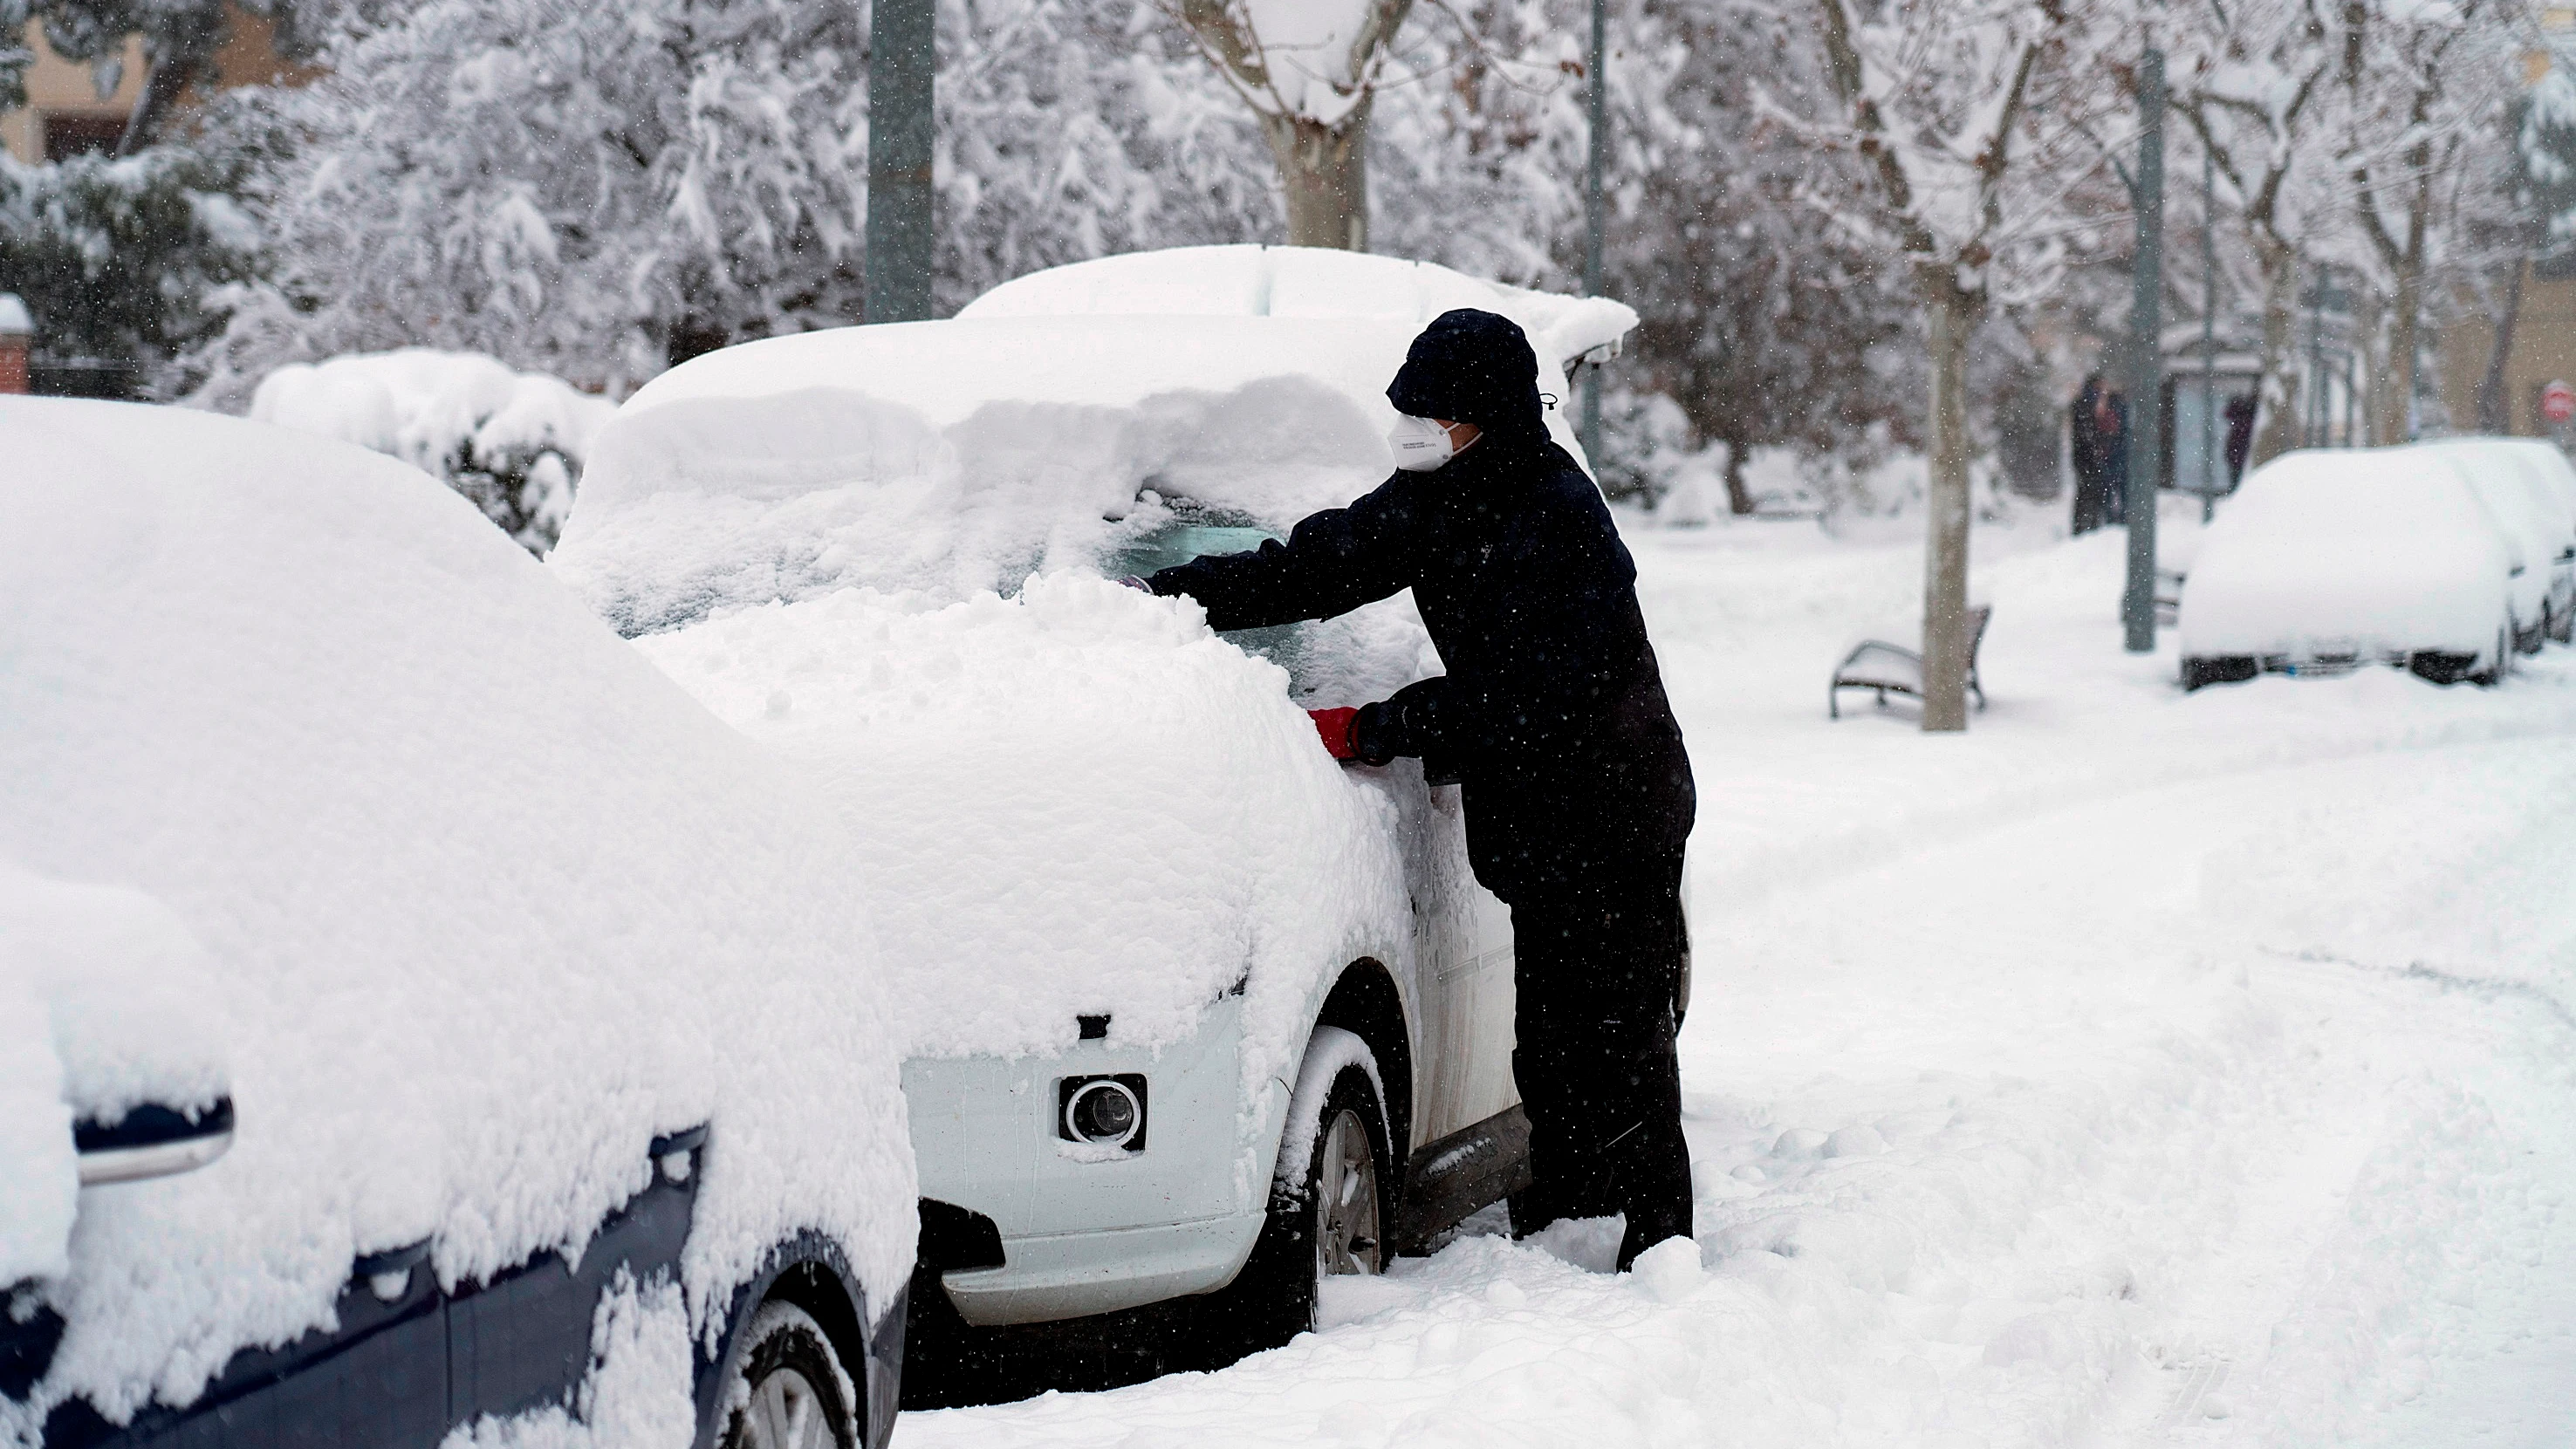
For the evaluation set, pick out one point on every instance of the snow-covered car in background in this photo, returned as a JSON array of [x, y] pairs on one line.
[[2325, 560], [1188, 1008], [533, 998], [2530, 488]]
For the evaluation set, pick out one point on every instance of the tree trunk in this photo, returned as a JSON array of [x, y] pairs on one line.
[[1739, 500], [2495, 410], [2393, 388], [2277, 431], [1952, 316], [162, 86], [1323, 175]]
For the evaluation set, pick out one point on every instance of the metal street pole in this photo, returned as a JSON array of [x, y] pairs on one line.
[[1592, 180], [2211, 468], [901, 62], [2317, 359], [2146, 392]]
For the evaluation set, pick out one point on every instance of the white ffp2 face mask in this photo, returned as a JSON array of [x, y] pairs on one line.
[[1420, 444]]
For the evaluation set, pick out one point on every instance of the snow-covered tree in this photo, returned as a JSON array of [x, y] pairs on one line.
[[2253, 81], [2544, 136], [2422, 85], [1069, 130], [2537, 185], [588, 191], [1311, 70], [115, 255], [598, 192], [1968, 119]]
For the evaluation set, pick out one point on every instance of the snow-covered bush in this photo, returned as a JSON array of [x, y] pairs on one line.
[[513, 442]]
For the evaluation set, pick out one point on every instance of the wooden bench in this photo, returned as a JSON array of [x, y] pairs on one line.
[[1890, 669]]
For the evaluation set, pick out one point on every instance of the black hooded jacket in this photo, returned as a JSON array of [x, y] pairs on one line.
[[1553, 712]]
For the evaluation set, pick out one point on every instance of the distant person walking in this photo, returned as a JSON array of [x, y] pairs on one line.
[[2097, 440], [2240, 436]]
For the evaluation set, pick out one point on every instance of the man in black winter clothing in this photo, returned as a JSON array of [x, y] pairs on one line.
[[1553, 717]]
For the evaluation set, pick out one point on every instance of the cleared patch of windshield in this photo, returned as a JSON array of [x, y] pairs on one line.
[[1189, 533]]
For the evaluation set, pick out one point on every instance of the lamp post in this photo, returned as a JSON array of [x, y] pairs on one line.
[[1598, 163], [901, 63], [2210, 464], [2146, 309]]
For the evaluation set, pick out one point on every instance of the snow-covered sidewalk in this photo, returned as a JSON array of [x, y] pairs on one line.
[[2136, 1069]]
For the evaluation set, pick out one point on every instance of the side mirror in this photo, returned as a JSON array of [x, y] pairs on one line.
[[153, 1141]]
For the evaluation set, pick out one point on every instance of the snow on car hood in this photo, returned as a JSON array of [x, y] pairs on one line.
[[1075, 801], [487, 903]]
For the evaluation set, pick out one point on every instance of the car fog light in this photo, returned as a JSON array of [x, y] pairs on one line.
[[1104, 1111]]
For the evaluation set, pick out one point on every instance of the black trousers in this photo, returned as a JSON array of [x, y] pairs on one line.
[[1597, 965]]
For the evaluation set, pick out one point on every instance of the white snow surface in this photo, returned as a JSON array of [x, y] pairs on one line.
[[485, 900], [15, 321], [421, 405], [1251, 280], [2374, 550], [1075, 801], [2137, 1069]]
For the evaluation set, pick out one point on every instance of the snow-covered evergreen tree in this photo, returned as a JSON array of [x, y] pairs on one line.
[[114, 256]]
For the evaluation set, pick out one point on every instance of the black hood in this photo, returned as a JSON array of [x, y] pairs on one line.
[[1472, 367]]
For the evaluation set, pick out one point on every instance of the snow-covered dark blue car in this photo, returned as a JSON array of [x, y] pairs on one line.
[[420, 1021]]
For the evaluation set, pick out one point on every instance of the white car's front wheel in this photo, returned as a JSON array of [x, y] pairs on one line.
[[1330, 1202]]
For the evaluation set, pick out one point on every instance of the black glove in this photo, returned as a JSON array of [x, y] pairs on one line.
[[1377, 733]]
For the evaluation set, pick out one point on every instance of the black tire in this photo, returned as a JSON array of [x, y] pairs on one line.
[[2218, 669], [2494, 674], [1273, 1299], [789, 1389]]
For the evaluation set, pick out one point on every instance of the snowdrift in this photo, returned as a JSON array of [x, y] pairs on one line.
[[484, 901]]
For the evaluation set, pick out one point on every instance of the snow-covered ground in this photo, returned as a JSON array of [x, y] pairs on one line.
[[2138, 1068]]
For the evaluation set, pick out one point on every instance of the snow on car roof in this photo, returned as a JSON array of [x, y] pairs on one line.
[[2376, 548], [1249, 280], [487, 902]]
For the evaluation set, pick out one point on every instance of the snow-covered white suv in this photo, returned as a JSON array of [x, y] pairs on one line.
[[1188, 1008]]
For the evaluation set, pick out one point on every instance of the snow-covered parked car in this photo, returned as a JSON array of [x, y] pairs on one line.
[[1188, 1008], [2325, 560], [536, 1002], [2530, 488]]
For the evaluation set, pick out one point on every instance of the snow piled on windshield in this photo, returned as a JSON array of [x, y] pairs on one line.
[[487, 903], [952, 458], [1073, 802]]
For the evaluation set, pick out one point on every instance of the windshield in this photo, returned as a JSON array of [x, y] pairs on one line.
[[1186, 536]]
